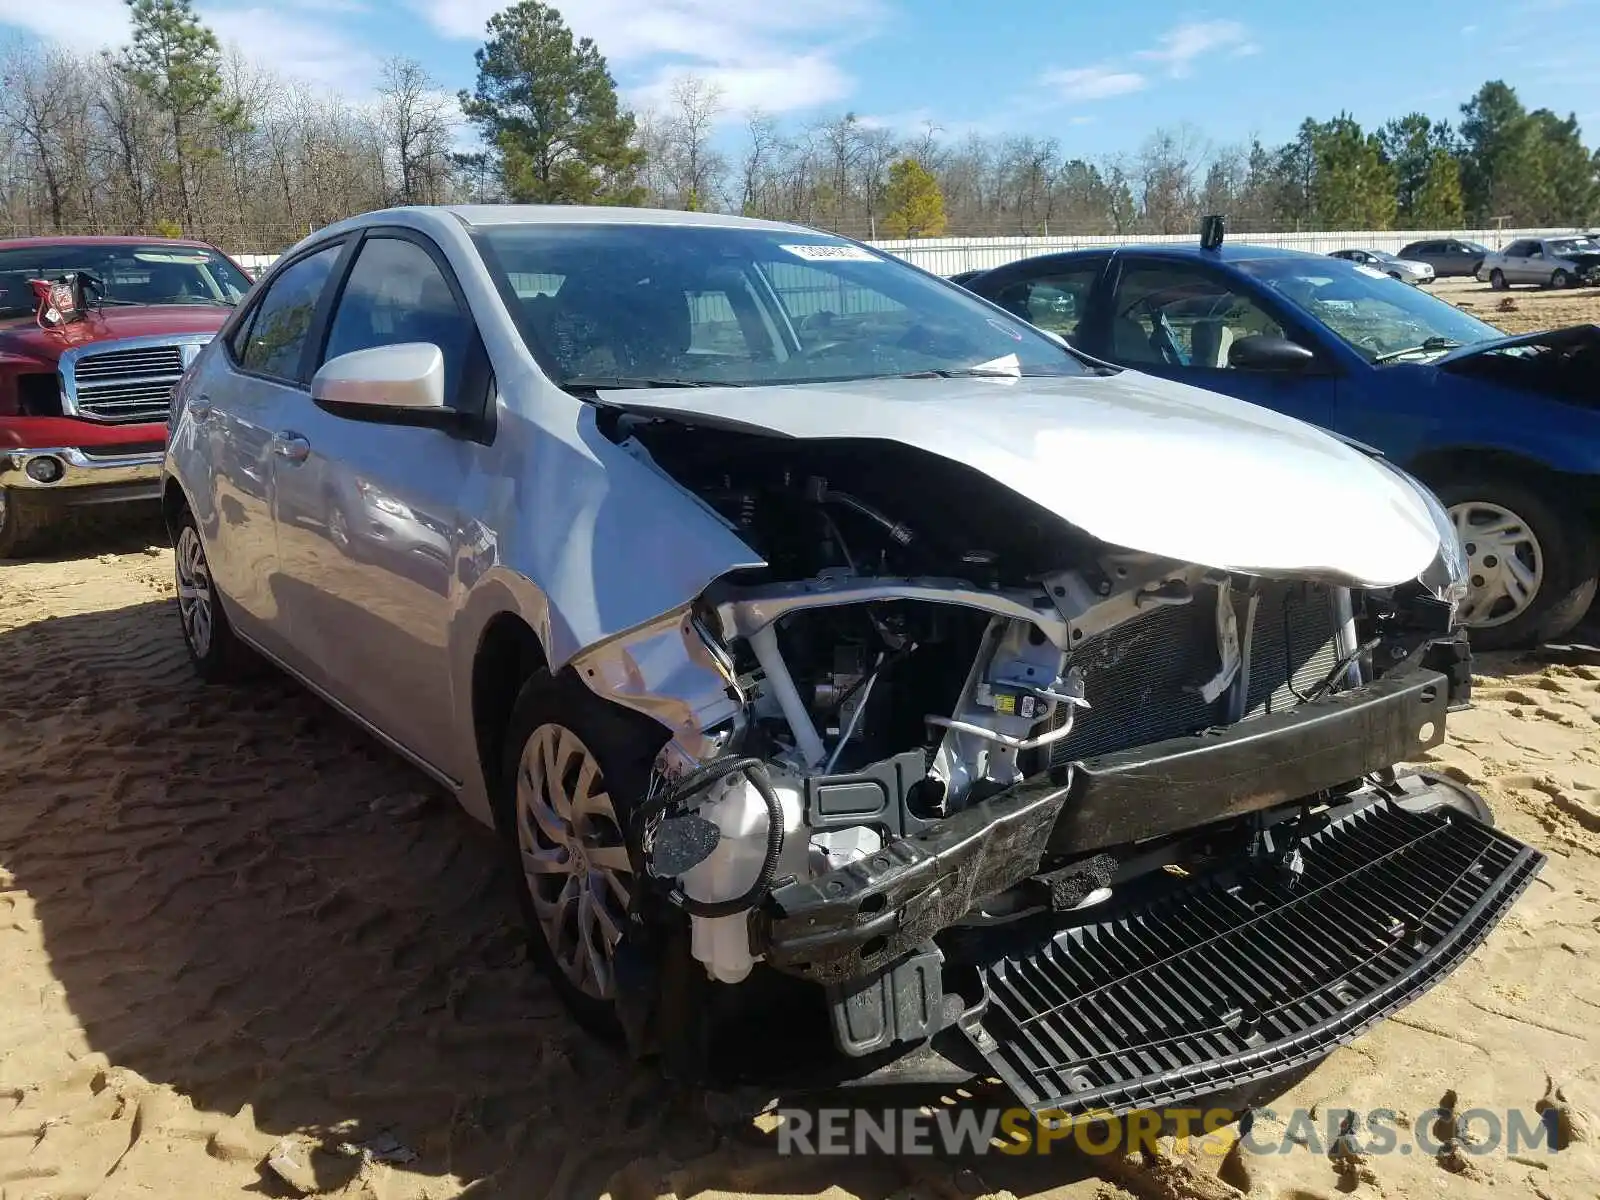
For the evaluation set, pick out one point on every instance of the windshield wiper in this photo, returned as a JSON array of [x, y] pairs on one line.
[[1432, 345], [597, 383]]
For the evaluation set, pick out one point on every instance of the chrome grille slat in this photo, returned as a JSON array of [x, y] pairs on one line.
[[126, 385]]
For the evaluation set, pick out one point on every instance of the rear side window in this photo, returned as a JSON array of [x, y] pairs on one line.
[[396, 293], [281, 323]]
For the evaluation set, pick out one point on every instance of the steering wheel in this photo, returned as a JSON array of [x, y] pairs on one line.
[[818, 322]]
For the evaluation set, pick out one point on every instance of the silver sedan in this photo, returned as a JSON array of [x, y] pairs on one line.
[[1403, 269]]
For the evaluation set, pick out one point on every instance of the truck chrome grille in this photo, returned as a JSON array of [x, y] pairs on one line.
[[126, 386], [1143, 678]]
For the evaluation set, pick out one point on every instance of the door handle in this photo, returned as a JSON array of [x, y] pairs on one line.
[[200, 408], [291, 446]]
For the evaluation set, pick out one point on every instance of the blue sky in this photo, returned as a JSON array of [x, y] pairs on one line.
[[1100, 76]]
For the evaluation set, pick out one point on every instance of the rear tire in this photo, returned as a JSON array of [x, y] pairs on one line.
[[1517, 537], [22, 523], [1497, 279], [573, 770], [217, 654]]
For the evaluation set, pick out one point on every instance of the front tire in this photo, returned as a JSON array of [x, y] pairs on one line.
[[1497, 279], [217, 654], [22, 522], [573, 771], [1561, 280], [1531, 564]]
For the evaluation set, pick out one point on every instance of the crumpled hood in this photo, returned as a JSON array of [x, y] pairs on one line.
[[1567, 335], [1133, 460]]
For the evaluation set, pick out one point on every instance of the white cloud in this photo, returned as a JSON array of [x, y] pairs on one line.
[[298, 45], [1181, 45], [773, 87], [767, 53], [90, 25], [1093, 83], [300, 48]]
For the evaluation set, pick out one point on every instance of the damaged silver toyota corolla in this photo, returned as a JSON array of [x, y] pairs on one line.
[[865, 685]]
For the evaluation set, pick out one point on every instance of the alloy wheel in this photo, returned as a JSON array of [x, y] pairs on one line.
[[1505, 562], [195, 597], [574, 857]]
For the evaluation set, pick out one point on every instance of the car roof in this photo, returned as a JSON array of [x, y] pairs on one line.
[[478, 215], [1184, 252], [24, 243]]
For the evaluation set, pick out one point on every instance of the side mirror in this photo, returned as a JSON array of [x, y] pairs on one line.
[[400, 384], [1263, 352]]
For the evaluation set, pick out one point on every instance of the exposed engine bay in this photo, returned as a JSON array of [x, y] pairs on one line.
[[922, 639]]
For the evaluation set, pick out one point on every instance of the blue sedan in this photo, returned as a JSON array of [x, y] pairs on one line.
[[1505, 430]]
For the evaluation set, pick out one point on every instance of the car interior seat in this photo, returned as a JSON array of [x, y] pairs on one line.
[[1131, 343], [1209, 343]]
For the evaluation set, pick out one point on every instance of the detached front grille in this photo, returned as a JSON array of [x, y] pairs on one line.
[[1243, 976], [1143, 678], [126, 386]]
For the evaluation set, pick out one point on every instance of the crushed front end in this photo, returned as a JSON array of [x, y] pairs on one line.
[[1000, 799]]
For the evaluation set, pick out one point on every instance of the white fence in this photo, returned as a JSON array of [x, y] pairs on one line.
[[948, 256]]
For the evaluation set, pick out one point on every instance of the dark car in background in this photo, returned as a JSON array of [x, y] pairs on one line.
[[1447, 256], [1505, 430]]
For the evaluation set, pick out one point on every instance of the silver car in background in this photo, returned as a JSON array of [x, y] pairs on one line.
[[1557, 262], [1403, 269], [828, 646]]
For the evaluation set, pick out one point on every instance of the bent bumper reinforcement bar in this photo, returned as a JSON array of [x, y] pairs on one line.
[[861, 917]]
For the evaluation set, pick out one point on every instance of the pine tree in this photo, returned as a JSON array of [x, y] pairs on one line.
[[176, 62], [548, 106], [916, 205], [1437, 202]]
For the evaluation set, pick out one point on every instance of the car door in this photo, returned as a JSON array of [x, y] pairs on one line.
[[1179, 320], [245, 395], [370, 512]]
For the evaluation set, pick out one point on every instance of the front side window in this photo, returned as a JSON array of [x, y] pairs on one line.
[[276, 340], [1383, 320], [396, 293], [625, 304], [1174, 315]]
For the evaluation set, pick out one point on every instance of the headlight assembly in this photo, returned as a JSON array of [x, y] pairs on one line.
[[1446, 576]]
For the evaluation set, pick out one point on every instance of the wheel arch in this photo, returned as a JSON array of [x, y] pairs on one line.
[[1578, 490], [174, 503], [508, 653]]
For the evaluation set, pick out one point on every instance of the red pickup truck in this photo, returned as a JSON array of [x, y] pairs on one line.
[[87, 368]]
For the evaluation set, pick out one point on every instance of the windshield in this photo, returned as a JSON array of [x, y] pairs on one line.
[[630, 305], [1382, 318], [134, 273]]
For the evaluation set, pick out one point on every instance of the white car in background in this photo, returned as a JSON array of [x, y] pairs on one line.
[[1404, 269]]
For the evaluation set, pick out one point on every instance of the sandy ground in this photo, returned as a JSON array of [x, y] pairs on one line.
[[228, 920], [1522, 309]]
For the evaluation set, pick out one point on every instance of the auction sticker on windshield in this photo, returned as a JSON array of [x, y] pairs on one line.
[[833, 253], [1373, 271]]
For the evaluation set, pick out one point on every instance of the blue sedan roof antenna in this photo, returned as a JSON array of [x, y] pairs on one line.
[[1212, 230]]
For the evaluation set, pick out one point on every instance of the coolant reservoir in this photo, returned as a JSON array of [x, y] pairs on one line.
[[740, 814]]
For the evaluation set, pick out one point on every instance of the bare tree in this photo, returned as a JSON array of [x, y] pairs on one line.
[[694, 168], [416, 128]]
